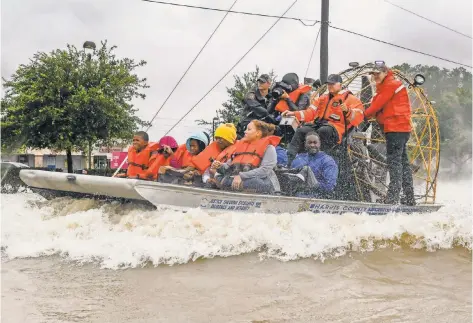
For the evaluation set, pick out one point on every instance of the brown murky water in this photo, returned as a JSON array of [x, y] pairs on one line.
[[381, 286], [86, 261]]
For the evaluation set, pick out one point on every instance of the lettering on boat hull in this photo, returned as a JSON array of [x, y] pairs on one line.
[[230, 205]]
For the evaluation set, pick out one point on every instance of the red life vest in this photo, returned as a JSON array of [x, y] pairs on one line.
[[204, 159], [294, 96], [182, 157], [248, 155], [139, 162]]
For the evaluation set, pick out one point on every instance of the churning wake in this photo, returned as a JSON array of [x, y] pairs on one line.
[[122, 236]]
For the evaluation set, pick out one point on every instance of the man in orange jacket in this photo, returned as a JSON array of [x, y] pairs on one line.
[[334, 113], [392, 109]]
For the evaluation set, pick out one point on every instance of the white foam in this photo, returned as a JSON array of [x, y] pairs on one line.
[[121, 237]]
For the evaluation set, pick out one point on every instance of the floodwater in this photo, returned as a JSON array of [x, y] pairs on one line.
[[87, 261]]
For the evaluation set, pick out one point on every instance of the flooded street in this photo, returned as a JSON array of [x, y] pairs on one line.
[[381, 286], [89, 261]]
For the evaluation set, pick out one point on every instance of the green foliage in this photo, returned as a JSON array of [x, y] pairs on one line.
[[66, 98], [231, 111]]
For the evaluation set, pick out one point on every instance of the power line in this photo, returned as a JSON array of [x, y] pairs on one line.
[[218, 82], [399, 46], [314, 23], [434, 22], [192, 63], [312, 54], [301, 20]]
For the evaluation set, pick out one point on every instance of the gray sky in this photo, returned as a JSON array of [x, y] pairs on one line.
[[169, 37]]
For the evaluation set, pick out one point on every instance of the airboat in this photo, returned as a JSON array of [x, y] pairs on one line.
[[366, 149]]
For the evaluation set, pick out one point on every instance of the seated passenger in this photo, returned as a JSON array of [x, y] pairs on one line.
[[330, 115], [225, 136], [251, 165], [167, 147], [196, 143], [322, 166], [141, 155], [181, 160]]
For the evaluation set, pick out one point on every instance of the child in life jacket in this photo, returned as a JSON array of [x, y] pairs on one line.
[[167, 147], [141, 155], [181, 161], [225, 136]]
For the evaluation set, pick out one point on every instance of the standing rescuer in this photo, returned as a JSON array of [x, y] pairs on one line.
[[392, 109]]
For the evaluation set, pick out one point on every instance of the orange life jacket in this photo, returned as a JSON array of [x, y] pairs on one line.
[[183, 157], [204, 159], [153, 170], [227, 153], [294, 96], [139, 162], [248, 155]]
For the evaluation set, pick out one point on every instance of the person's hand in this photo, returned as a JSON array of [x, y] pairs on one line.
[[236, 184], [167, 150], [284, 95], [188, 176], [288, 113], [344, 107], [216, 164]]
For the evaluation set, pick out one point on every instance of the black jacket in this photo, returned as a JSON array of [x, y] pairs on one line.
[[254, 107]]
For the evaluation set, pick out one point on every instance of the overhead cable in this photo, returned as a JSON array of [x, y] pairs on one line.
[[192, 63], [430, 20], [399, 46], [312, 54], [228, 72], [301, 20]]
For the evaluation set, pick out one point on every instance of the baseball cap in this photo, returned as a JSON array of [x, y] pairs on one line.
[[334, 78], [379, 66], [264, 78]]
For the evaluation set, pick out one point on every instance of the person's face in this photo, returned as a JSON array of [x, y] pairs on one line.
[[194, 145], [252, 133], [264, 86], [139, 143], [378, 77], [222, 143], [312, 144], [334, 88]]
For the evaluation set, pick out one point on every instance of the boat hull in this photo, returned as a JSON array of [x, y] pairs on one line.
[[190, 197]]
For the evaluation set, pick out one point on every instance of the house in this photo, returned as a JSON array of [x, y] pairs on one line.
[[48, 158]]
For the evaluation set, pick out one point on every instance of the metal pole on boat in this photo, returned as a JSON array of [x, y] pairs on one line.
[[324, 42]]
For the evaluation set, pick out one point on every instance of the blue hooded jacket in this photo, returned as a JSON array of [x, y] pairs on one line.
[[203, 137], [282, 156], [323, 166]]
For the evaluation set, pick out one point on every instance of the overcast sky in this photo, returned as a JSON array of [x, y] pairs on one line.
[[169, 37]]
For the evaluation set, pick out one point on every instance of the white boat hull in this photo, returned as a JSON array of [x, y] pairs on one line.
[[212, 200]]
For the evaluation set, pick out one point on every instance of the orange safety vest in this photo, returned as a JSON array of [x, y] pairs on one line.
[[294, 96], [227, 153], [153, 169], [250, 154], [183, 156], [204, 159], [138, 162]]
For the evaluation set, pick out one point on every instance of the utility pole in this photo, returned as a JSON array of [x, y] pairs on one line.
[[324, 42]]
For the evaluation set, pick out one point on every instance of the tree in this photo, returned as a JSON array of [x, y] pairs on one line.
[[65, 99], [231, 111], [451, 92]]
